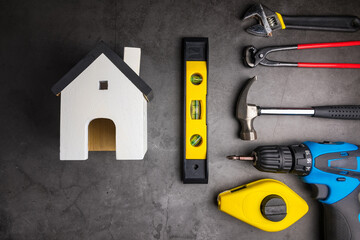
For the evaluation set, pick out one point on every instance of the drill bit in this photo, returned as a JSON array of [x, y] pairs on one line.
[[242, 158]]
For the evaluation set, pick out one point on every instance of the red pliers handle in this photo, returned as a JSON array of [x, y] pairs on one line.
[[254, 57]]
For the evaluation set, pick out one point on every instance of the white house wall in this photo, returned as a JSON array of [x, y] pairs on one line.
[[123, 103], [132, 58]]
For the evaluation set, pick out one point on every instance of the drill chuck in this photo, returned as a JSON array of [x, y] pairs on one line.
[[295, 159]]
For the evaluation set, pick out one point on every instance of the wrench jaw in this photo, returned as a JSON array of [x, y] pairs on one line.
[[258, 30], [263, 28], [268, 20]]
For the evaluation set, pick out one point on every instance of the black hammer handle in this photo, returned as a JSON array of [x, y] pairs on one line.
[[339, 112], [326, 23]]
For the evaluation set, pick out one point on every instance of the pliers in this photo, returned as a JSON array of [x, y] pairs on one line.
[[254, 56]]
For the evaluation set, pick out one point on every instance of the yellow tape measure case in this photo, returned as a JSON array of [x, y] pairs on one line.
[[248, 203]]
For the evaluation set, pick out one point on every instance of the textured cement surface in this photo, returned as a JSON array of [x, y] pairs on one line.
[[42, 197]]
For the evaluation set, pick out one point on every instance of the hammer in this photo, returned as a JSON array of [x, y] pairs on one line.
[[246, 113]]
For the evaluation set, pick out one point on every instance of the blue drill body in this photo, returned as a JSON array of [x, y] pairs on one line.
[[336, 173]]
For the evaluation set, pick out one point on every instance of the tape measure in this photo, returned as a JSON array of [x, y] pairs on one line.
[[195, 57], [267, 204]]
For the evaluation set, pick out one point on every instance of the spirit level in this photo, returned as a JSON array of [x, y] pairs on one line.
[[195, 56]]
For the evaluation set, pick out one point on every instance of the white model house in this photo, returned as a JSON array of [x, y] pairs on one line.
[[104, 106]]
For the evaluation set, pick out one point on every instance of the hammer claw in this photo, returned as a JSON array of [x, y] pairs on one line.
[[242, 100]]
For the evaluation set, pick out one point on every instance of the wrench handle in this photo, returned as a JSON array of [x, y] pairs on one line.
[[323, 23]]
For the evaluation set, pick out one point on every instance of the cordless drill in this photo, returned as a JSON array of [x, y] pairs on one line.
[[333, 169]]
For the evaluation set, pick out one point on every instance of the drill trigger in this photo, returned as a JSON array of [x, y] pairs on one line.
[[320, 191]]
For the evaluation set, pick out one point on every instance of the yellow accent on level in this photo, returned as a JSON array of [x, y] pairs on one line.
[[244, 204], [281, 20], [196, 126]]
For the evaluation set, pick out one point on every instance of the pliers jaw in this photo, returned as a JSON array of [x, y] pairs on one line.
[[268, 20], [254, 56], [250, 57]]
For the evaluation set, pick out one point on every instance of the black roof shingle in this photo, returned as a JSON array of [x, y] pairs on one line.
[[102, 48]]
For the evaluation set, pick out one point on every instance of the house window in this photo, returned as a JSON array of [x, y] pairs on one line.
[[103, 85]]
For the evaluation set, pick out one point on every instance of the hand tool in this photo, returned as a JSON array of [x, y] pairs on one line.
[[267, 204], [332, 169], [195, 60], [254, 56], [246, 113], [270, 21]]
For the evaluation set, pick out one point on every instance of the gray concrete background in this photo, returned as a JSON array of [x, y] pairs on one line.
[[42, 197]]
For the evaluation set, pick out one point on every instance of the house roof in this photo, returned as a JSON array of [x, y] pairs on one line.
[[102, 48]]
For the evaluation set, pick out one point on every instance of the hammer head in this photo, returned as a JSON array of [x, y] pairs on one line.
[[268, 20], [246, 113]]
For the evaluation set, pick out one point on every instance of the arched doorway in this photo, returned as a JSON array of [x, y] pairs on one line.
[[102, 135]]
